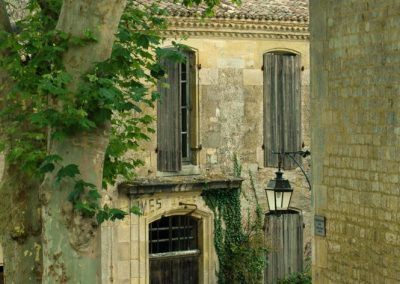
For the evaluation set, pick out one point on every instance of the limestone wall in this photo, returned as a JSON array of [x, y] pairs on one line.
[[230, 90], [355, 140], [230, 121]]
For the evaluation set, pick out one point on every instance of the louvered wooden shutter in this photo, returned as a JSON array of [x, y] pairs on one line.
[[168, 120], [282, 107]]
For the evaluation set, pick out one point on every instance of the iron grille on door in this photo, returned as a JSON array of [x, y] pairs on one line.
[[173, 248], [175, 233]]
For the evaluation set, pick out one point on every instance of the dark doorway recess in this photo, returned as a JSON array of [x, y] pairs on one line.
[[173, 250], [1, 274]]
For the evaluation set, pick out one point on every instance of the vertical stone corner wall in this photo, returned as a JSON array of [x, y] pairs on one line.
[[355, 139]]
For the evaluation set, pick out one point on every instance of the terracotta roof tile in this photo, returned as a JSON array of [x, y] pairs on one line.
[[284, 10]]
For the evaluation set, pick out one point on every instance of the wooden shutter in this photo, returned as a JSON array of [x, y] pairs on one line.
[[168, 120], [282, 107], [193, 108]]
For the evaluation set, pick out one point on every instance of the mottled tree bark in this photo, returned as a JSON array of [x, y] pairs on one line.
[[20, 225], [71, 244]]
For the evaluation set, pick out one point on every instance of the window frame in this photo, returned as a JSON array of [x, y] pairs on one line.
[[188, 159], [192, 122]]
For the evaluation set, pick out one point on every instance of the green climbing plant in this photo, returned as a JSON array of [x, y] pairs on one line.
[[240, 248], [304, 277]]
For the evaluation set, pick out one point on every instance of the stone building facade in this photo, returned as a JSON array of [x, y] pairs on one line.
[[355, 140], [226, 74], [227, 118]]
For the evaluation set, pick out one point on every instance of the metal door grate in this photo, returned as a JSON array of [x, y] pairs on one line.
[[172, 234]]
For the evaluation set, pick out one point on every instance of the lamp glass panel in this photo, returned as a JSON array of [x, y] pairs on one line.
[[271, 199], [286, 199], [279, 199]]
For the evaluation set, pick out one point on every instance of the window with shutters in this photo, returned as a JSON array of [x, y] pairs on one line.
[[176, 116], [282, 107]]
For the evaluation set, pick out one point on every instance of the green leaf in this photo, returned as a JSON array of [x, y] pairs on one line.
[[70, 170], [79, 188], [116, 213], [136, 210], [75, 195], [101, 116], [53, 159], [48, 163], [143, 40], [102, 216], [59, 135], [49, 167], [89, 35], [86, 209], [94, 194]]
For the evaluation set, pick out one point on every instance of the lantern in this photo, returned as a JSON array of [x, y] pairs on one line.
[[279, 193]]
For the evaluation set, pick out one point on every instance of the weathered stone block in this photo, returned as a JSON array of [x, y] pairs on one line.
[[123, 271], [124, 251], [208, 76], [252, 77], [123, 233], [234, 62], [135, 269]]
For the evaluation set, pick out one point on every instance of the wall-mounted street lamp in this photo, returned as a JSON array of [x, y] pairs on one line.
[[279, 192]]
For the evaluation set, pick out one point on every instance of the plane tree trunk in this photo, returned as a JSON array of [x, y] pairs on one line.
[[71, 243]]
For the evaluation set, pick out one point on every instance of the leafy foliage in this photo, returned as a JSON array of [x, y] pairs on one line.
[[235, 245], [42, 106], [298, 278]]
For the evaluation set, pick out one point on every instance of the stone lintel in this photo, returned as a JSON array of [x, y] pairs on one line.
[[179, 184]]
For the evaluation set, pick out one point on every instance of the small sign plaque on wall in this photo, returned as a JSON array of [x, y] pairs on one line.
[[319, 226]]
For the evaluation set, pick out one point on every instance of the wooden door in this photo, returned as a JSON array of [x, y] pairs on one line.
[[285, 235], [176, 269], [173, 250]]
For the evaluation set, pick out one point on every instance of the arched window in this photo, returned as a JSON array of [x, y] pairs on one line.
[[282, 106]]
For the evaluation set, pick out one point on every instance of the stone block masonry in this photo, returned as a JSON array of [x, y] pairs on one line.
[[355, 77], [226, 120]]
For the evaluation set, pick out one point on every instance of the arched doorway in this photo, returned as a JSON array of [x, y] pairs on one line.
[[174, 250]]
